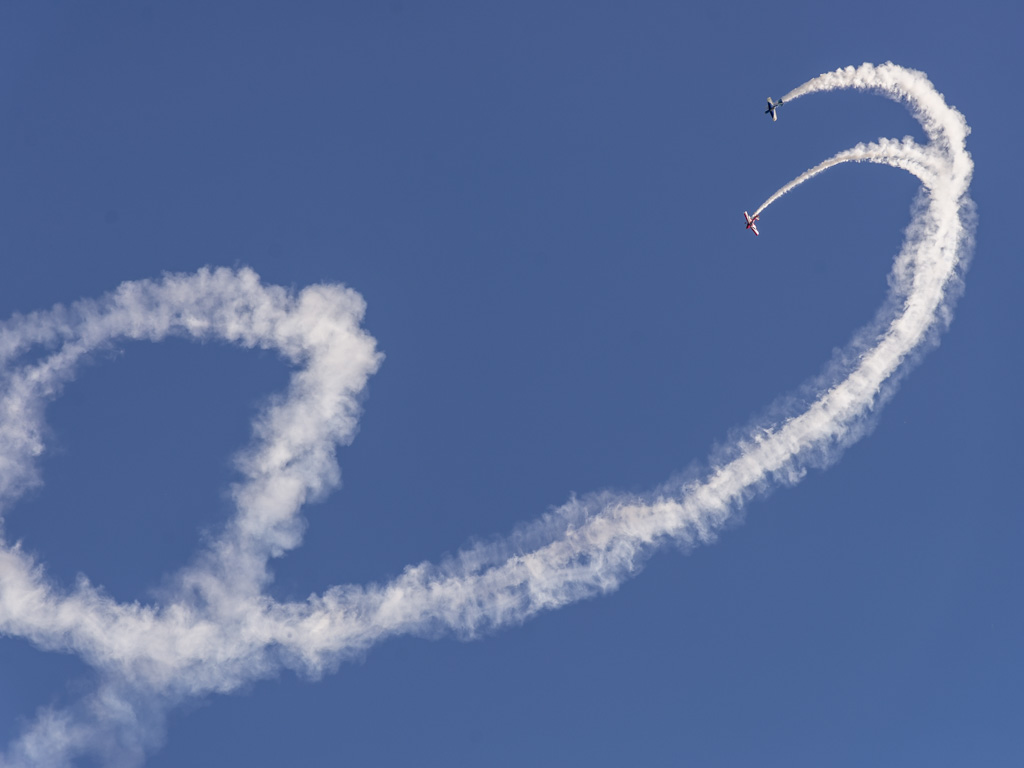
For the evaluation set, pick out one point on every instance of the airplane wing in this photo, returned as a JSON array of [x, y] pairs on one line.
[[774, 116], [754, 229]]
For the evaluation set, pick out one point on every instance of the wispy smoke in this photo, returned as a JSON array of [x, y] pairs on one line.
[[906, 154], [218, 628]]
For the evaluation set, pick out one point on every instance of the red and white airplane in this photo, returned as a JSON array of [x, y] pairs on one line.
[[750, 222]]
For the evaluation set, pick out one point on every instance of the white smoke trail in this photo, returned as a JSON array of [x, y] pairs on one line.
[[218, 629], [906, 154]]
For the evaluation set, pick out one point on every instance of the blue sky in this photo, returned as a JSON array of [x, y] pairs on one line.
[[541, 206]]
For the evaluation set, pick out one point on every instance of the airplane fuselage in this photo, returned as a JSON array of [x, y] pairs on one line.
[[751, 222]]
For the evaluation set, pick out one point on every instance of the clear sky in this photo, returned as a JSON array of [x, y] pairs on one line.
[[541, 205]]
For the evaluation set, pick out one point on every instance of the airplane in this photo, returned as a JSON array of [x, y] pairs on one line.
[[750, 222], [771, 108]]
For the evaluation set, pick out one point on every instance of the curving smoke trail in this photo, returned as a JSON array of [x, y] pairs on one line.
[[906, 154], [218, 629]]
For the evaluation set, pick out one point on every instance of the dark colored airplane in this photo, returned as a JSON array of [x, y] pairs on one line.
[[771, 108]]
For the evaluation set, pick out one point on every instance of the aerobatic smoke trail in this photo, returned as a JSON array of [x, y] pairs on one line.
[[219, 629], [906, 154]]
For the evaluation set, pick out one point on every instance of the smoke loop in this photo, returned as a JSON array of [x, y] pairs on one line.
[[220, 629]]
